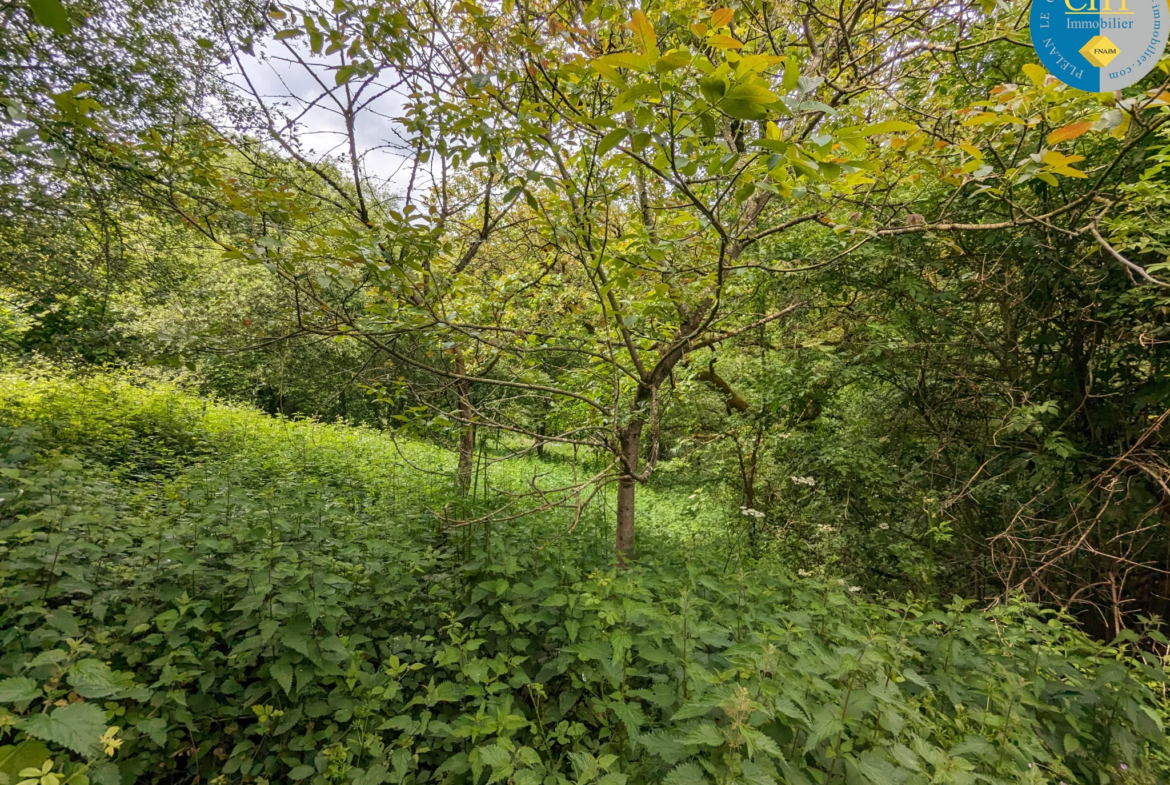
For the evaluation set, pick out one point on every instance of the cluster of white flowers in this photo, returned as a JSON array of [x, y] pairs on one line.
[[749, 512], [803, 573], [826, 528], [809, 481], [854, 589], [883, 526]]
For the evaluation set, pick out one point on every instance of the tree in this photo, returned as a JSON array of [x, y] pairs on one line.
[[647, 165]]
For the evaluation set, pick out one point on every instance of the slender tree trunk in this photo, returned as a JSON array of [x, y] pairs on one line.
[[467, 435], [631, 437]]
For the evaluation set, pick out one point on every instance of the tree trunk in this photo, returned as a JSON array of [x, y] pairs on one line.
[[467, 435], [631, 437]]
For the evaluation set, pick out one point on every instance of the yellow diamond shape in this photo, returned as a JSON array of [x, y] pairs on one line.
[[1100, 51]]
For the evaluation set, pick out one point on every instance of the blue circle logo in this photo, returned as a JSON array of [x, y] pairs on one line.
[[1099, 45]]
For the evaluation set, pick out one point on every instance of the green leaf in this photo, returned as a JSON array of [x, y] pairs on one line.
[[283, 673], [78, 727], [748, 101], [705, 734], [791, 74], [301, 772], [630, 97], [92, 678], [674, 59], [607, 143], [155, 729], [886, 127], [51, 14], [18, 690], [105, 773], [17, 757], [634, 62], [686, 774], [713, 88]]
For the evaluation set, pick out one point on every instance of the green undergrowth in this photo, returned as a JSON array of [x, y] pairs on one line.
[[192, 592], [138, 424]]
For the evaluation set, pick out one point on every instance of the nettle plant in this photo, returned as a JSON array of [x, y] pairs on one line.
[[268, 614]]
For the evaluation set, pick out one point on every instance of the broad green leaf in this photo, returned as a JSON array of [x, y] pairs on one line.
[[155, 729], [674, 59], [78, 727], [51, 14], [16, 757], [18, 690], [92, 678], [747, 102], [634, 62], [630, 98], [283, 673], [713, 88], [791, 74], [686, 774]]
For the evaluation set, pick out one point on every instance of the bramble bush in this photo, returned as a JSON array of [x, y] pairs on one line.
[[193, 593]]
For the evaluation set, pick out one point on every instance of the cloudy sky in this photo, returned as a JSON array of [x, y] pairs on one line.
[[291, 91]]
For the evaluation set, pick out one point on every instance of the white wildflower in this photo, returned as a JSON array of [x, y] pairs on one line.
[[854, 589], [809, 481], [748, 511], [883, 526]]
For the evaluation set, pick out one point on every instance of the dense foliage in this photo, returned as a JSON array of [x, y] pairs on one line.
[[243, 599], [349, 344]]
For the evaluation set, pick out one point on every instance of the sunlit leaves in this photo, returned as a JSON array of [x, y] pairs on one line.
[[721, 18], [721, 41], [747, 101], [1070, 131], [1061, 164], [644, 34]]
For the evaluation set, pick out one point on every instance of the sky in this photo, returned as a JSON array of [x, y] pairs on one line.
[[290, 90]]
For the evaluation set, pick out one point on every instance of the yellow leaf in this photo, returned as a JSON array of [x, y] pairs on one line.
[[971, 150], [625, 60], [1047, 178], [983, 118], [1070, 131], [1053, 158], [888, 127], [643, 32], [724, 42], [699, 29], [757, 63], [1036, 73], [721, 18], [1068, 171]]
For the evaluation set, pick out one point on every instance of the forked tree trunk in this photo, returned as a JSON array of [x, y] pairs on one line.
[[631, 437], [467, 435]]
